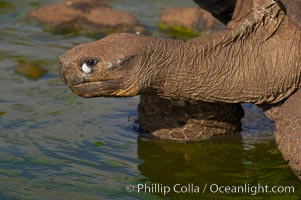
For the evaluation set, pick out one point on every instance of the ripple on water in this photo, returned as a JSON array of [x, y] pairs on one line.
[[54, 144]]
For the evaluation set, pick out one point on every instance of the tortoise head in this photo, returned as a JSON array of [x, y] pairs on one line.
[[105, 68]]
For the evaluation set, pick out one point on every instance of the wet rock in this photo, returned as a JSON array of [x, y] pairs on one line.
[[108, 17], [30, 70], [191, 21], [6, 7], [89, 16]]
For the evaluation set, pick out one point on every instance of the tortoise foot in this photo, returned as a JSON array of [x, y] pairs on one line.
[[287, 117], [187, 120], [196, 130], [289, 143]]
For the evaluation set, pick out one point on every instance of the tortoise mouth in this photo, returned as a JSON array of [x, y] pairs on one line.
[[103, 88], [100, 82]]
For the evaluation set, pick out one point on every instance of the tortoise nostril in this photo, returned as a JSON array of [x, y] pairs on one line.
[[63, 71], [63, 75], [61, 67], [61, 60]]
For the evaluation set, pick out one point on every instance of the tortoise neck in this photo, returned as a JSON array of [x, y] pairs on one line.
[[255, 60]]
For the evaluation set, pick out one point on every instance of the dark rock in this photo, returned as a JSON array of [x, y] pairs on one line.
[[221, 9]]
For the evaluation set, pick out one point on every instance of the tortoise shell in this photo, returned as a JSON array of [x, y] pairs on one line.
[[223, 9]]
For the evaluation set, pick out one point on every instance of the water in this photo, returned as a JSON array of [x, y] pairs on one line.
[[55, 145]]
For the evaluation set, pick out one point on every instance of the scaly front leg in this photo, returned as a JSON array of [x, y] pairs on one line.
[[288, 131]]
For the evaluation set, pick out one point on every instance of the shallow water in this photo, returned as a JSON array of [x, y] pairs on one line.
[[55, 145]]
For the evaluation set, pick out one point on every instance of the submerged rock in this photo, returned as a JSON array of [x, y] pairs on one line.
[[30, 70], [188, 22], [88, 16]]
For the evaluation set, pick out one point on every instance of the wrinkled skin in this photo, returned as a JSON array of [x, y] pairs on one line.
[[114, 76], [287, 117], [256, 60], [270, 74], [187, 120]]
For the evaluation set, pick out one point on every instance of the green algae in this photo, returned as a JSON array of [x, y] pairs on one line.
[[178, 31], [65, 29], [43, 160], [4, 158], [34, 4], [99, 144], [10, 172], [5, 5], [90, 31], [30, 70], [56, 139], [22, 108], [18, 141]]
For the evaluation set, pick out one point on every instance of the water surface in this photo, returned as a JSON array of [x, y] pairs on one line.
[[55, 145]]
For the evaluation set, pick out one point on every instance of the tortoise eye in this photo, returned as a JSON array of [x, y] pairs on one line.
[[86, 67], [91, 62]]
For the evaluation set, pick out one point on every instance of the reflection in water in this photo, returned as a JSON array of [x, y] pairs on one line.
[[222, 161]]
